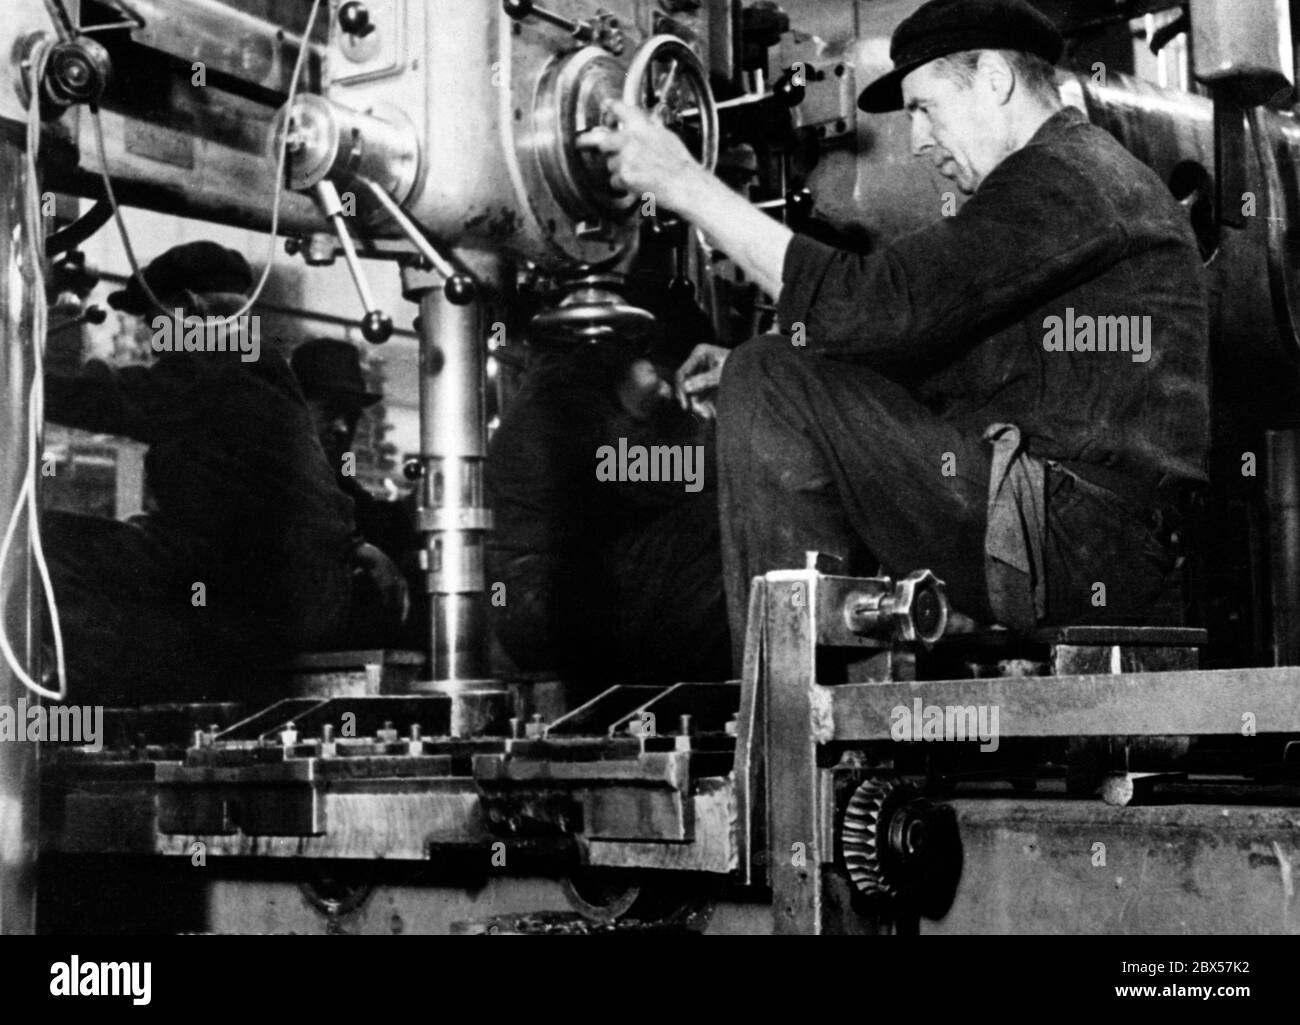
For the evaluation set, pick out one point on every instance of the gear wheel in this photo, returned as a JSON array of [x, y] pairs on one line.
[[884, 837]]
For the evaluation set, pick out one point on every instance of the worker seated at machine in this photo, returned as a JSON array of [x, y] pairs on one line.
[[1041, 480], [329, 373], [247, 555], [609, 576]]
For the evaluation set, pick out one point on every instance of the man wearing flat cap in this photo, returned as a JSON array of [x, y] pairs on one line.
[[245, 558], [329, 372], [925, 407]]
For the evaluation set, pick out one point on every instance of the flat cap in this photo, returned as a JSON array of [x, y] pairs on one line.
[[944, 27], [197, 266]]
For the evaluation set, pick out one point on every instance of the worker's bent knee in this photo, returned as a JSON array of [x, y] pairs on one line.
[[751, 364], [758, 384], [747, 379]]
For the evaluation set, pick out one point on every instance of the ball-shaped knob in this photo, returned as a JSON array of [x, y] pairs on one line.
[[681, 289], [413, 469], [798, 204], [518, 9], [376, 327], [354, 18], [789, 92], [460, 290]]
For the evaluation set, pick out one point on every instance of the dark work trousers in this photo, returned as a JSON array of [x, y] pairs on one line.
[[819, 454], [132, 633], [665, 612], [646, 607]]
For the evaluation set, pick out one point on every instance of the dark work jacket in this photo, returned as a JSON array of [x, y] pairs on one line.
[[557, 527], [1072, 220], [244, 494], [389, 526]]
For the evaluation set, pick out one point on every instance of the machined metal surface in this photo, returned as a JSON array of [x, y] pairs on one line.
[[354, 673], [466, 75], [1049, 866], [485, 182], [749, 774], [1031, 865], [479, 708], [794, 797], [328, 140], [592, 312], [571, 95], [266, 788], [913, 609], [1199, 703], [453, 515], [19, 780], [743, 786], [653, 710], [226, 40], [600, 714], [1231, 42]]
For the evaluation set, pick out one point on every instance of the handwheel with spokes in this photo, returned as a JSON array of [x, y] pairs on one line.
[[668, 81]]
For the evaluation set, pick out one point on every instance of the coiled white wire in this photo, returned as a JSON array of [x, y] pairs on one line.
[[27, 494], [303, 47]]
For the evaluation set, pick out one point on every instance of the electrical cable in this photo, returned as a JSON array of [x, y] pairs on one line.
[[27, 494], [303, 48]]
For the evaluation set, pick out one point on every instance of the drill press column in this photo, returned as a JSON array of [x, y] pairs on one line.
[[453, 517]]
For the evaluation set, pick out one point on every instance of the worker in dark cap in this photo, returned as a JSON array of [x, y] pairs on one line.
[[329, 373], [201, 266], [246, 555], [1015, 396]]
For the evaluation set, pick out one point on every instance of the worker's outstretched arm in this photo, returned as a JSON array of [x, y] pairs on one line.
[[644, 157]]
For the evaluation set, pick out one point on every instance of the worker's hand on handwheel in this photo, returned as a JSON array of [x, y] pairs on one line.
[[644, 157], [698, 379]]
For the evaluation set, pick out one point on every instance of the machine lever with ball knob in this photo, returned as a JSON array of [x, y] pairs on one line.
[[604, 30], [460, 288], [376, 326]]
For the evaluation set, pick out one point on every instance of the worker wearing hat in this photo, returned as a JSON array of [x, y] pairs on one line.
[[245, 558], [918, 410], [329, 373], [202, 267]]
